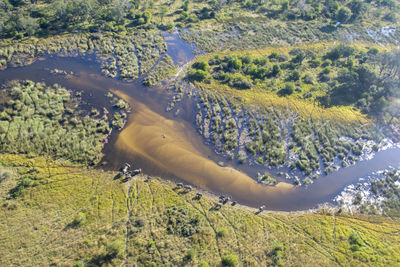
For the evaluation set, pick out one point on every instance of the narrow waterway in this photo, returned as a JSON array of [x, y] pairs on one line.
[[167, 145]]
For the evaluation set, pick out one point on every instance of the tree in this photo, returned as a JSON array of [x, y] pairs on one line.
[[28, 24], [284, 5], [235, 63], [201, 65], [276, 70], [163, 12], [146, 16], [288, 89], [299, 55], [358, 8], [344, 14], [198, 75], [393, 109]]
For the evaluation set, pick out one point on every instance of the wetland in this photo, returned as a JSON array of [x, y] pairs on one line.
[[167, 144]]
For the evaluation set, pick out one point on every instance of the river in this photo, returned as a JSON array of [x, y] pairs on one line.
[[167, 145]]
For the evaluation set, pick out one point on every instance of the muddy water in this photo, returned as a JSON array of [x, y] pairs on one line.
[[167, 145]]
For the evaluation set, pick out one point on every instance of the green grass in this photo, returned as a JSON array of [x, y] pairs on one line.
[[128, 223]]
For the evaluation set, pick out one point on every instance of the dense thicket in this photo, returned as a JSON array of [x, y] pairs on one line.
[[344, 75], [20, 18]]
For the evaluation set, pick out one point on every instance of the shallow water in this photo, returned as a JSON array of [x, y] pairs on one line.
[[166, 145]]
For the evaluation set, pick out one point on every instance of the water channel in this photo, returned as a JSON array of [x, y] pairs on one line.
[[166, 144]]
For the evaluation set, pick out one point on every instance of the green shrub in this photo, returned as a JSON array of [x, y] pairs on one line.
[[201, 65], [79, 219], [222, 232], [288, 89], [294, 75], [115, 248], [198, 75], [230, 260], [308, 79], [344, 14], [191, 253]]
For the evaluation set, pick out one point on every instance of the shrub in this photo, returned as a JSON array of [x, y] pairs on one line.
[[190, 254], [340, 51], [198, 75], [276, 70], [308, 79], [204, 264], [222, 232], [288, 89], [355, 241], [115, 248], [201, 65], [235, 63], [79, 264], [230, 260], [79, 219], [327, 62], [315, 63], [294, 75], [277, 254], [344, 14]]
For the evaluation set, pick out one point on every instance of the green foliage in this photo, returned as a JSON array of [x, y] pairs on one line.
[[40, 122], [222, 232], [198, 75], [344, 14], [79, 219], [181, 223], [287, 89], [191, 254], [115, 248], [355, 241], [230, 260], [201, 65]]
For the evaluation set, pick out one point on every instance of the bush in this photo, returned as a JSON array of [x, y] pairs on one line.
[[230, 260], [294, 75], [235, 63], [276, 70], [344, 14], [340, 51], [198, 75], [355, 241], [79, 219], [315, 63], [308, 79], [201, 65], [115, 248], [222, 232], [190, 254], [288, 89]]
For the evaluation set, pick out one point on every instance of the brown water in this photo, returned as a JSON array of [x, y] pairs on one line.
[[166, 145]]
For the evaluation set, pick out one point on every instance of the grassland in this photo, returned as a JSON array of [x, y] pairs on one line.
[[74, 214]]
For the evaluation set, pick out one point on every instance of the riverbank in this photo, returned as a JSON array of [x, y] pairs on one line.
[[80, 215]]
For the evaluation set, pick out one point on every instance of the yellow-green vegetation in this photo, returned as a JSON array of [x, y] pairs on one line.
[[298, 106], [36, 119], [78, 215], [321, 81], [272, 136]]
